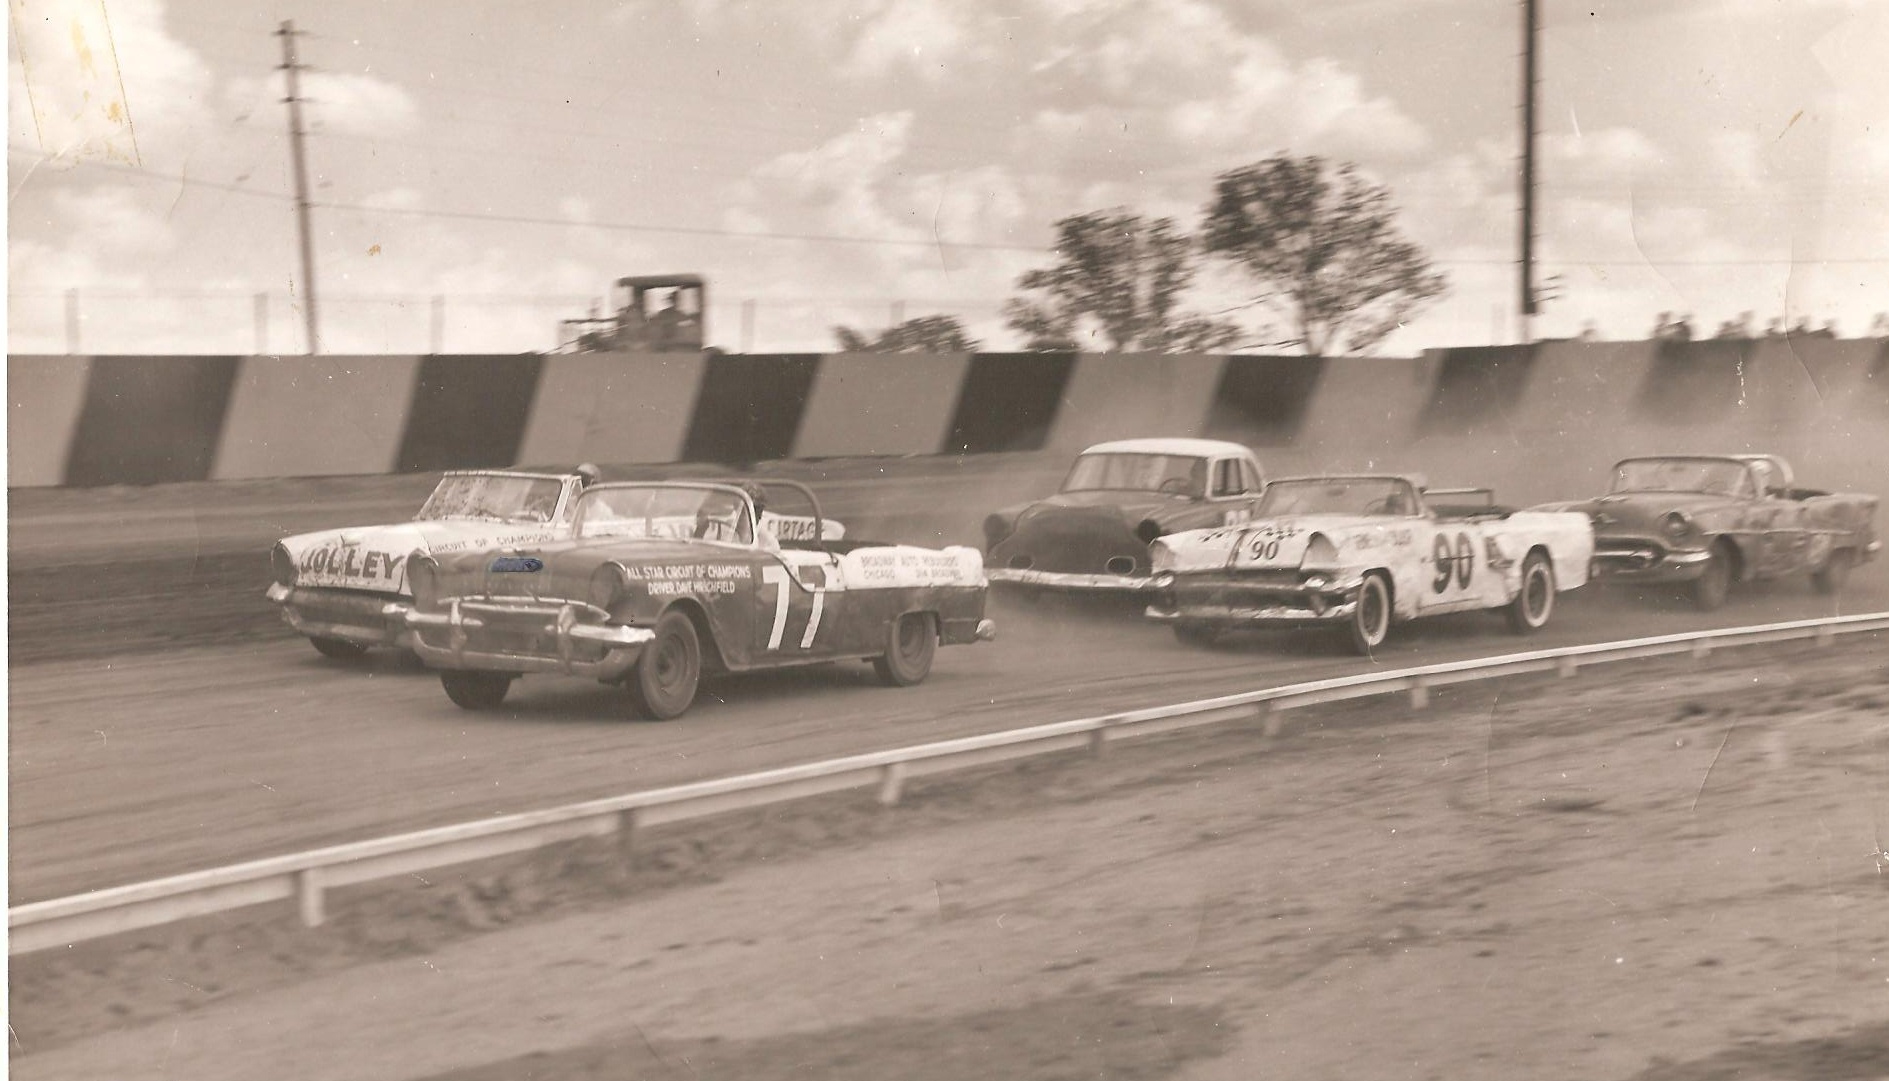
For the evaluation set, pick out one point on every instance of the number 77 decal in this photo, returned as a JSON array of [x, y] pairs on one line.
[[777, 577]]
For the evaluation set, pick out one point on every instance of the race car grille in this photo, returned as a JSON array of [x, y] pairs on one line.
[[338, 605], [1236, 589], [1637, 553], [523, 631]]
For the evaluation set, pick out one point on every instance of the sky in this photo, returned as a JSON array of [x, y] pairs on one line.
[[854, 162]]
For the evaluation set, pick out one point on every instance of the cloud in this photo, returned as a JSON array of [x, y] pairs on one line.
[[344, 102], [103, 84]]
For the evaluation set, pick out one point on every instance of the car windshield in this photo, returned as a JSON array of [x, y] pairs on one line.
[[494, 497], [1717, 476], [1337, 495], [667, 511], [1174, 474]]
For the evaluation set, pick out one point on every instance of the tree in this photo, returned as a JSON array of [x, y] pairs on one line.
[[926, 334], [1120, 278], [1324, 248]]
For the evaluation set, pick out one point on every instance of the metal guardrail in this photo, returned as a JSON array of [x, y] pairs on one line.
[[304, 876]]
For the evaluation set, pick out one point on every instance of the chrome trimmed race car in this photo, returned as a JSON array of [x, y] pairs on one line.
[[345, 590], [660, 583], [1707, 521], [1093, 535], [1362, 552]]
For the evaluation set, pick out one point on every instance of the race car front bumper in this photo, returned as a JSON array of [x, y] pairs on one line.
[[1648, 563], [1233, 602], [494, 636], [351, 617], [1080, 583]]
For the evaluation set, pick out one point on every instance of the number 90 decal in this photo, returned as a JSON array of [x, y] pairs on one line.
[[1458, 562]]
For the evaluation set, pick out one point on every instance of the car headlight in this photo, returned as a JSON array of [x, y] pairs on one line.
[[423, 581], [282, 565], [1164, 580], [1675, 526], [1316, 581], [606, 586]]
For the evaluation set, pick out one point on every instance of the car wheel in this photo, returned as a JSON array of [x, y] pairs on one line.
[[910, 644], [475, 690], [1194, 633], [1534, 603], [1710, 589], [1835, 572], [1371, 617], [669, 669], [338, 649]]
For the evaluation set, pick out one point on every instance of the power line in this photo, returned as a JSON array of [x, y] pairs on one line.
[[680, 230], [152, 174]]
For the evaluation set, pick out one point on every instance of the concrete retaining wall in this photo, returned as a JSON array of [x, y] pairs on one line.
[[1535, 422]]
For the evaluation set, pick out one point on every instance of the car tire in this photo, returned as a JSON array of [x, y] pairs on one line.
[[1534, 602], [911, 642], [338, 649], [1197, 634], [668, 671], [475, 690], [1710, 589], [1834, 573], [1370, 621]]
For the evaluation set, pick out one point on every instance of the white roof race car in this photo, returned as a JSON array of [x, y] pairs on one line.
[[1362, 552]]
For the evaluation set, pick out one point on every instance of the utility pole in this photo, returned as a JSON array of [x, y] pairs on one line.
[[294, 102], [1531, 25]]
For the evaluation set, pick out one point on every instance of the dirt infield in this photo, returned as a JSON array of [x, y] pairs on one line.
[[1664, 872]]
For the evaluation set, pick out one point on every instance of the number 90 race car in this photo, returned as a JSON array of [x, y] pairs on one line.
[[658, 584], [1362, 552]]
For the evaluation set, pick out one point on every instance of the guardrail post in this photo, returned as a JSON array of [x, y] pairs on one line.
[[1566, 667], [1702, 647], [308, 896], [1419, 694], [1098, 736], [1275, 719], [1826, 634], [891, 781], [626, 833]]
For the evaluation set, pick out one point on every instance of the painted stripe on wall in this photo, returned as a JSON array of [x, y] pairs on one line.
[[1478, 389], [1263, 401], [1009, 402], [150, 420], [1121, 396], [875, 404], [749, 408], [44, 396], [316, 416], [1692, 382], [468, 412], [612, 407]]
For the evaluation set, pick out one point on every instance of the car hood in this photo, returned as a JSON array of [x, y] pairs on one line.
[[1275, 543], [562, 569], [1638, 513], [375, 557], [1133, 506]]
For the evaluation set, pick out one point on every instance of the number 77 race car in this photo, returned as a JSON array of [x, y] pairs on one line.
[[658, 584], [1364, 551]]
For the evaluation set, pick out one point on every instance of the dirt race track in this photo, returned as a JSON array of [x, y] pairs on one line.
[[1667, 871]]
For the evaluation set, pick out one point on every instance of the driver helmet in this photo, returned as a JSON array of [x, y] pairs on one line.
[[588, 474]]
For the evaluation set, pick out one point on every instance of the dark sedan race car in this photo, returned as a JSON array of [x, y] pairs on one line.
[[659, 584], [1707, 521], [1093, 535]]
